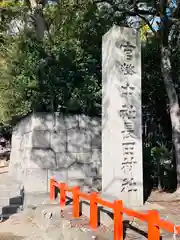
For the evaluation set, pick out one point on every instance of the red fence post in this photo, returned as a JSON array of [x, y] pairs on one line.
[[118, 220], [52, 189], [93, 210], [76, 207], [153, 229], [62, 187]]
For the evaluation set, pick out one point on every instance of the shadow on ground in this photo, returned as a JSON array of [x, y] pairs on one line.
[[10, 236]]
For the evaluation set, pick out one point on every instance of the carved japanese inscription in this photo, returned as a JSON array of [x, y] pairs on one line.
[[121, 119]]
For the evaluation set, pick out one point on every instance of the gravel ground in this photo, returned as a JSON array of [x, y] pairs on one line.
[[20, 226], [9, 236]]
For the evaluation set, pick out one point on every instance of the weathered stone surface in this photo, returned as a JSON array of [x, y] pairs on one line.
[[54, 142], [95, 127], [26, 140], [76, 172], [59, 141], [16, 154], [15, 170], [15, 165], [35, 180], [80, 182], [89, 170], [71, 121], [84, 121], [41, 139], [16, 141], [59, 175], [24, 126], [84, 157], [65, 159], [41, 158], [43, 121], [96, 141], [96, 156], [60, 123], [121, 115], [80, 174], [34, 199], [95, 124], [78, 141], [100, 171]]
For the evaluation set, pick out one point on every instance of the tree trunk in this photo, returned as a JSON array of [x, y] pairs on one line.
[[173, 104], [40, 24], [33, 4]]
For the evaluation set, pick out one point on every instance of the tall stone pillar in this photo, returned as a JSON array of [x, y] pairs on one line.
[[122, 168]]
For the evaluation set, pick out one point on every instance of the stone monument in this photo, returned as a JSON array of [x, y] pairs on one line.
[[122, 169], [66, 147]]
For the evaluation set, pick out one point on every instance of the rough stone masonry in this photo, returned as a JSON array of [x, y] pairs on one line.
[[54, 145]]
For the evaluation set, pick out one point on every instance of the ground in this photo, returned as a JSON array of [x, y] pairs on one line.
[[22, 225]]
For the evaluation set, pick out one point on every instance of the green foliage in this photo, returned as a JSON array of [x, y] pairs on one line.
[[62, 72]]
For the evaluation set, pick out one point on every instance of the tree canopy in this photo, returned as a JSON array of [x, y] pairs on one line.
[[60, 71], [50, 60]]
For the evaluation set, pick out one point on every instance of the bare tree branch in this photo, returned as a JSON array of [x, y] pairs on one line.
[[125, 10], [147, 22], [135, 12]]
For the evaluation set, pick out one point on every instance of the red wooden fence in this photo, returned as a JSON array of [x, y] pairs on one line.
[[151, 217]]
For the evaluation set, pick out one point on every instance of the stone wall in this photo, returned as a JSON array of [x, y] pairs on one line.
[[47, 145]]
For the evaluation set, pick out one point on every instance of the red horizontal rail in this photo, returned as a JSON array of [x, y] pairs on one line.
[[84, 195], [141, 216], [151, 217], [69, 189], [56, 184], [105, 203]]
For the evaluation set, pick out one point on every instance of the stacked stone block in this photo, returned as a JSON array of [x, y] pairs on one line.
[[67, 147]]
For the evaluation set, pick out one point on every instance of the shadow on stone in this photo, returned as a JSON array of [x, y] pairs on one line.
[[66, 147], [15, 205]]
